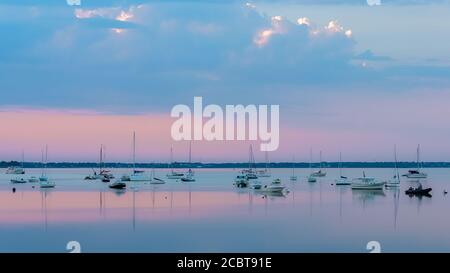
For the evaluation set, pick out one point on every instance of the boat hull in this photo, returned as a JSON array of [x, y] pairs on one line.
[[368, 186]]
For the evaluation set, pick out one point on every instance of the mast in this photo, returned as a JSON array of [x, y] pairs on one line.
[[134, 152], [418, 157], [293, 165], [320, 158], [310, 160], [266, 155], [101, 158], [340, 164], [23, 158], [397, 175], [42, 162], [171, 158]]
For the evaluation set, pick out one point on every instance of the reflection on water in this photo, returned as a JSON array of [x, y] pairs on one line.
[[212, 215]]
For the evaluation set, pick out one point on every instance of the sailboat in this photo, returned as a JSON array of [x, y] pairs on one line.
[[250, 173], [16, 169], [266, 171], [311, 178], [395, 181], [137, 175], [416, 173], [342, 180], [44, 182], [320, 172], [43, 176], [173, 174], [293, 176], [103, 174], [189, 176]]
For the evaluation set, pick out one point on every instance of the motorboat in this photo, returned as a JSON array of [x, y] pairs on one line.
[[319, 173], [276, 181], [415, 174], [47, 184], [241, 181], [367, 183], [272, 188], [33, 179], [189, 177], [15, 170], [18, 181]]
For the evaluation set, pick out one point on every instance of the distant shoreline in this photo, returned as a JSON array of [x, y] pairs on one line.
[[181, 165]]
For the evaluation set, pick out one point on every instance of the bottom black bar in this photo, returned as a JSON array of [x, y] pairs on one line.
[[242, 262]]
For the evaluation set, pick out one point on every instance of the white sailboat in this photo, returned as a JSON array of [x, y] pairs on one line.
[[173, 174], [44, 182], [293, 176], [43, 176], [137, 175], [266, 171], [342, 180], [395, 181], [416, 173], [251, 172], [311, 178], [189, 176], [320, 172]]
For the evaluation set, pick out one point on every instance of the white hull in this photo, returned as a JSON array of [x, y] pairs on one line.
[[33, 180], [319, 174], [368, 186], [157, 181], [273, 188], [293, 178], [18, 181], [417, 176], [47, 184]]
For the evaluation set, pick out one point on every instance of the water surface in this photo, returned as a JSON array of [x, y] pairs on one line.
[[210, 215]]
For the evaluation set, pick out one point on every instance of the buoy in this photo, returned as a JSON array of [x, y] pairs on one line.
[[14, 190], [445, 192]]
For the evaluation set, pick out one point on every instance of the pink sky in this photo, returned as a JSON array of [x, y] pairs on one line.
[[76, 136]]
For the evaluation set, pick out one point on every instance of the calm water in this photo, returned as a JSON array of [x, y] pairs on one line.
[[210, 215]]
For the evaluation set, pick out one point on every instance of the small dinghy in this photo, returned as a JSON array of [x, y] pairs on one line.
[[106, 180], [18, 181], [119, 185]]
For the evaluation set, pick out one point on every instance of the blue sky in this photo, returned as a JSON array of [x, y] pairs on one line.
[[382, 62]]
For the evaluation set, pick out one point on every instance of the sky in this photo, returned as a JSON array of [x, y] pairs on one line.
[[350, 76]]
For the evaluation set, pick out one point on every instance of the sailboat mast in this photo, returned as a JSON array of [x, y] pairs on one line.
[[101, 158], [418, 157], [310, 159], [42, 162], [134, 152], [340, 164], [397, 175], [23, 158], [320, 158], [293, 165]]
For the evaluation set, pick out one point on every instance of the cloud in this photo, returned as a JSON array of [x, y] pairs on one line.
[[138, 58]]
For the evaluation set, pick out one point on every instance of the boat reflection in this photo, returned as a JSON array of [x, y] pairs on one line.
[[365, 196]]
